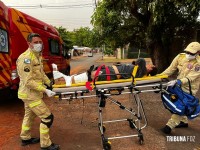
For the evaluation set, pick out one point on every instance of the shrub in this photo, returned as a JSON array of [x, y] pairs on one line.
[[132, 55]]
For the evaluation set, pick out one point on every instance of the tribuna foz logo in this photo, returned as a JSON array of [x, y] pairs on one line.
[[180, 138]]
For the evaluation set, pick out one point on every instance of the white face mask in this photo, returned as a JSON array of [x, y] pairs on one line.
[[37, 47], [190, 57]]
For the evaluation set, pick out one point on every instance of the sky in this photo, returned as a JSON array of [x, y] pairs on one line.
[[70, 14]]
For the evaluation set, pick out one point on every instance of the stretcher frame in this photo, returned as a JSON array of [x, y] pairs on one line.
[[104, 91]]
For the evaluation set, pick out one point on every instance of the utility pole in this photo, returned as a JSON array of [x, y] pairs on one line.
[[103, 46], [95, 1]]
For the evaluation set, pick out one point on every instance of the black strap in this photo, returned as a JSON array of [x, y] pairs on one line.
[[189, 86], [89, 73]]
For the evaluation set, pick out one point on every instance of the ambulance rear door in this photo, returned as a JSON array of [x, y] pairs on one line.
[[5, 60]]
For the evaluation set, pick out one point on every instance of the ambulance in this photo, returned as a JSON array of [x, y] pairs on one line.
[[14, 28]]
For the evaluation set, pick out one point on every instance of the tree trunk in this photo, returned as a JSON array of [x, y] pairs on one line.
[[175, 48], [159, 55], [162, 55]]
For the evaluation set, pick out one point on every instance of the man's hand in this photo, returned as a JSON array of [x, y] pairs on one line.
[[49, 87], [171, 83], [50, 93]]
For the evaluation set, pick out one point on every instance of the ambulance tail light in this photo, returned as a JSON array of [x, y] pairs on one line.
[[14, 74], [15, 78]]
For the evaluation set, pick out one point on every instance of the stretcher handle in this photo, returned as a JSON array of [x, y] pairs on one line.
[[94, 81]]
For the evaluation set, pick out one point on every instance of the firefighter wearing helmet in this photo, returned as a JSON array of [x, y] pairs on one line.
[[31, 89], [188, 65]]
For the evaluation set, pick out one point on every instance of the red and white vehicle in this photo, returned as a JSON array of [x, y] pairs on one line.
[[14, 28]]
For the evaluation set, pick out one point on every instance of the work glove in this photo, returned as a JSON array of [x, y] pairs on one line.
[[50, 93], [171, 83], [50, 86]]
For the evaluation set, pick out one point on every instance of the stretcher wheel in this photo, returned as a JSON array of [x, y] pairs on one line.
[[141, 139], [107, 145]]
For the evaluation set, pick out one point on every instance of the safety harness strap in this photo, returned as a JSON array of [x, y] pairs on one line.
[[89, 84], [135, 70], [107, 72]]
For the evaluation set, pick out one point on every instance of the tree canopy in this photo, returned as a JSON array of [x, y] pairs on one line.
[[163, 27], [66, 37], [83, 36]]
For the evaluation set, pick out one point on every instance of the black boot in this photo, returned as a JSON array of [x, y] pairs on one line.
[[166, 130], [51, 147], [30, 141], [182, 125], [89, 73]]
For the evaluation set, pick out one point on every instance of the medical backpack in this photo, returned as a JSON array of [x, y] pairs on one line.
[[179, 102]]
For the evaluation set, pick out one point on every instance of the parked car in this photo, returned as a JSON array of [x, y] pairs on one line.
[[90, 54]]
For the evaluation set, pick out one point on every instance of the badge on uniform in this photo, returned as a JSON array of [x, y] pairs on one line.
[[27, 61], [27, 69], [197, 68], [189, 66]]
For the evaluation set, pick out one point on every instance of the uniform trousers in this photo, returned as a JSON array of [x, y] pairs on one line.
[[175, 120], [34, 109]]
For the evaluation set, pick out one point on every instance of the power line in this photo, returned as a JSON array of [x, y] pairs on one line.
[[71, 5], [54, 6], [70, 2], [69, 23], [66, 21]]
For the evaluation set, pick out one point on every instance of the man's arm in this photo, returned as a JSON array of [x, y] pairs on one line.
[[25, 72]]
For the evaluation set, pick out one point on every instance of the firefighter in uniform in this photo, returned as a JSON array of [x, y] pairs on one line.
[[31, 89], [188, 65]]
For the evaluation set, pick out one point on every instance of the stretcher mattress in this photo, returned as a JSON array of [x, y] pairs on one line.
[[111, 84]]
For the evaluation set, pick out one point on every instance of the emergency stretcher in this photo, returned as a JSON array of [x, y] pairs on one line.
[[105, 90]]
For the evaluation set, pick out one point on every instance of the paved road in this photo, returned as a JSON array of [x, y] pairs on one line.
[[83, 63]]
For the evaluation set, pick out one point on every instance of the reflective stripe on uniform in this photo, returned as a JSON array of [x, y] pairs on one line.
[[40, 83], [22, 95], [44, 131], [40, 87], [32, 56], [25, 128], [47, 81], [35, 103]]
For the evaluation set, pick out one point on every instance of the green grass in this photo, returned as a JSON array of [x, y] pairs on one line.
[[114, 60], [135, 55]]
